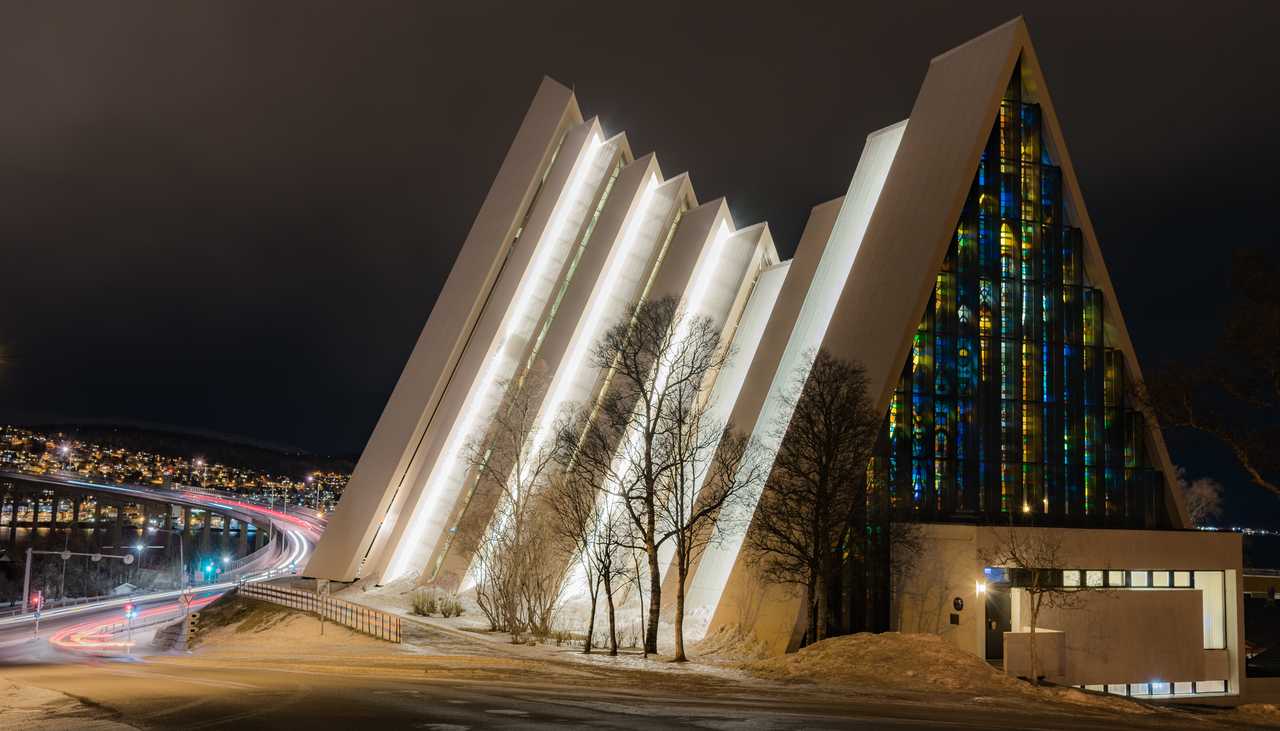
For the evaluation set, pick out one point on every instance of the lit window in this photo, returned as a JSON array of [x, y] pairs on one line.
[[1182, 579], [1161, 689], [1093, 578], [1139, 689], [1071, 578], [1211, 686], [1118, 689], [1115, 578], [1210, 584], [1183, 688], [1139, 579], [1160, 578]]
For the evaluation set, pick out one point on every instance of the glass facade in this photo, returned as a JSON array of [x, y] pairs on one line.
[[1011, 405]]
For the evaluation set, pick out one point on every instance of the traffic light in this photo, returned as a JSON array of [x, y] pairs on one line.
[[129, 611]]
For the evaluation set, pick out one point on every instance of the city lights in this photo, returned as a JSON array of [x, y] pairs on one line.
[[32, 452]]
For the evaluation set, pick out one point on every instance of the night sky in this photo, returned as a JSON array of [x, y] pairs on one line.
[[235, 217]]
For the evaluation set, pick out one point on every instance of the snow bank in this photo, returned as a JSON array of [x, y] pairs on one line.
[[730, 643], [1257, 713], [896, 661], [883, 660], [239, 625]]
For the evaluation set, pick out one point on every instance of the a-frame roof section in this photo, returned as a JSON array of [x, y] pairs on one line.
[[915, 217]]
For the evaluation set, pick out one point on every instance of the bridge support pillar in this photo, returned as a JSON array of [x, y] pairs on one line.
[[13, 519], [33, 506], [243, 539], [117, 528], [206, 542]]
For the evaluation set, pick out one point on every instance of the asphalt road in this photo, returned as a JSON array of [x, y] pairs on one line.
[[445, 680], [172, 695]]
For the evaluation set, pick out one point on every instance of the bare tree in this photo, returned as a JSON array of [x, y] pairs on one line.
[[1035, 560], [517, 585], [1203, 497], [583, 519], [715, 469], [635, 439], [1233, 396], [815, 500]]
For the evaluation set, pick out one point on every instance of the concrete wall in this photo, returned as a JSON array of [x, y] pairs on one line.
[[1128, 636]]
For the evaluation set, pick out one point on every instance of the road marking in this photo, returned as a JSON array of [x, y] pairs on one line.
[[180, 679]]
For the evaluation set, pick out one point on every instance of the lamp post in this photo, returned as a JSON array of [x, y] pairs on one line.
[[182, 567], [126, 559]]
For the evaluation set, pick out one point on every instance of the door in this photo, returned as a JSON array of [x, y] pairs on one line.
[[998, 619]]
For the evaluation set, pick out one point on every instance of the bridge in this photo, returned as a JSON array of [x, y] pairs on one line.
[[268, 543]]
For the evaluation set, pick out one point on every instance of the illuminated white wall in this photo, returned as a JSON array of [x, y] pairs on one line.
[[598, 300], [806, 332], [413, 541], [728, 385]]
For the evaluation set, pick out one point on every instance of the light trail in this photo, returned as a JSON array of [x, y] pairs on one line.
[[90, 637], [95, 638]]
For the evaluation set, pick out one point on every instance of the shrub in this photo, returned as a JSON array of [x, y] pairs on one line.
[[449, 605], [424, 601], [429, 600]]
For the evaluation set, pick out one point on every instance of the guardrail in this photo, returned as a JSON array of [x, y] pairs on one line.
[[58, 604], [362, 619]]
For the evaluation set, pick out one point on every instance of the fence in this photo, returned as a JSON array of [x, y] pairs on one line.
[[361, 619]]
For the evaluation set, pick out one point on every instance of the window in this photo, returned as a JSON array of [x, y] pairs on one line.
[[1211, 686], [1182, 579], [1093, 578], [1139, 579], [1183, 688], [1115, 578], [1071, 578], [1160, 578], [1212, 592], [1161, 689]]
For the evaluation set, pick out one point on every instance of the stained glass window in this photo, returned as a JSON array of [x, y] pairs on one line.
[[1011, 404]]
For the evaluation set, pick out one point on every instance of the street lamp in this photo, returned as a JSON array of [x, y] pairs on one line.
[[311, 479]]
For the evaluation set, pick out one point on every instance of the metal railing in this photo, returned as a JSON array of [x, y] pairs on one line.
[[362, 619], [58, 603]]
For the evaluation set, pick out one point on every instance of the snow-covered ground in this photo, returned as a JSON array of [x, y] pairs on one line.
[[37, 709], [895, 661], [914, 668]]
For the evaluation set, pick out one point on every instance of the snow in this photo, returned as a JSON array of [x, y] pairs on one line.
[[37, 709], [1257, 714], [891, 658], [729, 643], [894, 661], [257, 628]]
